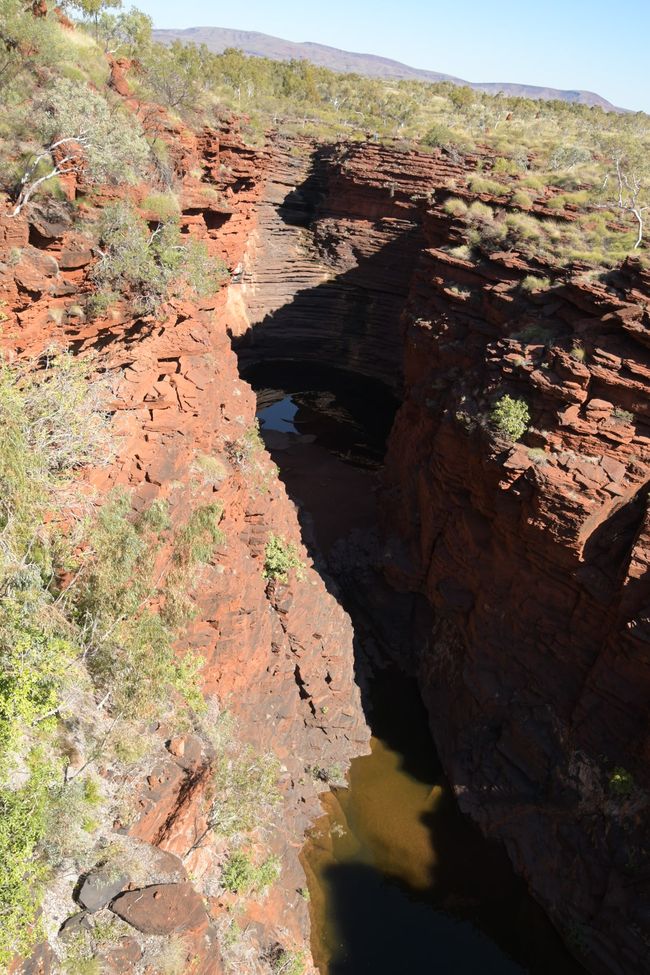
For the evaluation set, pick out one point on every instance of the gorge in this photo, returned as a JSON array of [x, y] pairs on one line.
[[505, 582]]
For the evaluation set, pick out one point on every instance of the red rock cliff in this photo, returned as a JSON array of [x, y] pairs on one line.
[[533, 556], [278, 656]]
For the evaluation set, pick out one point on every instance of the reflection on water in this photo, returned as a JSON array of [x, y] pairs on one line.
[[348, 415], [279, 416], [397, 876], [401, 882]]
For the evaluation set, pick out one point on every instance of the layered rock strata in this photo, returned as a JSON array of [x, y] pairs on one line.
[[533, 555]]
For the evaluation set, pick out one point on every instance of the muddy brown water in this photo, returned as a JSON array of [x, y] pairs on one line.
[[400, 882]]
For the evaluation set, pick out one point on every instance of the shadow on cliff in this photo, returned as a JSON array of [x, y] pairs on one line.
[[381, 927], [350, 323], [351, 320], [607, 551], [381, 931], [301, 205]]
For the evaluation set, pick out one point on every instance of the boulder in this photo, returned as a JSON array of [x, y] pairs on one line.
[[162, 909], [98, 889]]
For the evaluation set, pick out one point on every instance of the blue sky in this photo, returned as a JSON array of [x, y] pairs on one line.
[[592, 44]]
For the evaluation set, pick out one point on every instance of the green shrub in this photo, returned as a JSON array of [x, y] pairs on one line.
[[35, 669], [22, 827], [164, 206], [487, 187], [196, 541], [505, 167], [78, 957], [533, 182], [621, 783], [556, 203], [246, 790], [453, 141], [462, 252], [51, 423], [623, 416], [522, 200], [176, 74], [480, 213], [532, 283], [29, 44], [241, 452], [130, 647], [241, 876], [455, 207], [524, 230], [194, 545], [96, 138], [149, 267], [510, 417], [280, 557]]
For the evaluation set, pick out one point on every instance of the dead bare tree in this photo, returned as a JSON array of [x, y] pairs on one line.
[[69, 162], [630, 192], [81, 133]]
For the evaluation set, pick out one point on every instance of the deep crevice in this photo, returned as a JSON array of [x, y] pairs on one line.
[[342, 336], [467, 908]]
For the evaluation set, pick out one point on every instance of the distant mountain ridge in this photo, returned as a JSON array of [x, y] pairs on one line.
[[217, 39]]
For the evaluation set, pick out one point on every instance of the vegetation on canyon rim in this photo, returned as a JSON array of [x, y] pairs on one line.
[[82, 662], [586, 170]]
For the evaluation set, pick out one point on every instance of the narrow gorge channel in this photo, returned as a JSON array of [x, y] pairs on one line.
[[398, 878], [325, 538]]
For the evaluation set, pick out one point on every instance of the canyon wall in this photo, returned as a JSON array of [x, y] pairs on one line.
[[278, 656], [533, 555], [328, 267]]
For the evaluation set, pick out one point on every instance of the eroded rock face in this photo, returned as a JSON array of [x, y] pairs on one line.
[[533, 555], [279, 657], [328, 268]]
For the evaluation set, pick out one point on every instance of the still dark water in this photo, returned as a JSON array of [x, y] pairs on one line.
[[400, 882]]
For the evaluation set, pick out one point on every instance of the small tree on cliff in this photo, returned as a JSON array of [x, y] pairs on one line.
[[510, 417], [176, 75], [81, 133], [92, 10], [125, 33], [149, 266], [26, 43], [627, 185]]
